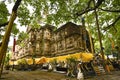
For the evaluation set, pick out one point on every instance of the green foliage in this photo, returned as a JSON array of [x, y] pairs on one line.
[[15, 30], [23, 13], [22, 61], [21, 37], [7, 58], [4, 18], [3, 13], [56, 12], [71, 59]]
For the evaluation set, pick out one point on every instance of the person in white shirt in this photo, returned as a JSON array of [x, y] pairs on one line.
[[80, 74]]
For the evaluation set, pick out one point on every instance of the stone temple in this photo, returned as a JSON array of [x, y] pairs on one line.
[[49, 41]]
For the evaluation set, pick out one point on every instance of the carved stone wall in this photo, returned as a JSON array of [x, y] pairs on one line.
[[69, 38]]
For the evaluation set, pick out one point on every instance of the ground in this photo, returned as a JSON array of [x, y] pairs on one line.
[[45, 75]]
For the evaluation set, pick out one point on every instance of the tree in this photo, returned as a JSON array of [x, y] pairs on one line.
[[21, 37], [3, 17], [5, 40], [4, 14], [57, 12]]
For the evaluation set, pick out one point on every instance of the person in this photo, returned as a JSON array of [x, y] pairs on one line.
[[50, 67], [70, 71], [80, 74]]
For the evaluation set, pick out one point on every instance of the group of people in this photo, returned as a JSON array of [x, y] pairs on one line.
[[78, 69], [73, 69]]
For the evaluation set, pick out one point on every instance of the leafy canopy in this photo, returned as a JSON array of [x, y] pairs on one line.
[[57, 12]]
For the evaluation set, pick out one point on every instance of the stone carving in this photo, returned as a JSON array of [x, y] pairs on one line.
[[69, 38]]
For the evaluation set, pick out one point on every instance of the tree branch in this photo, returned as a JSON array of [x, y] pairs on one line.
[[15, 7], [85, 11], [117, 11], [88, 5], [99, 2], [109, 26], [17, 3], [4, 24]]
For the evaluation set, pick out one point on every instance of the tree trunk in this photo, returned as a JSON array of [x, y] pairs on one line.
[[6, 37], [99, 34]]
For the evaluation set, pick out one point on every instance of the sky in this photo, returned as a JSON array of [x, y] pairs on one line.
[[21, 28]]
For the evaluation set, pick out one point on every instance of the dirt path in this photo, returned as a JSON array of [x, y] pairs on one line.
[[34, 75], [44, 75]]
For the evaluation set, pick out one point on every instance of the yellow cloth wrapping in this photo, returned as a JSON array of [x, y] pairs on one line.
[[41, 60], [85, 57]]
